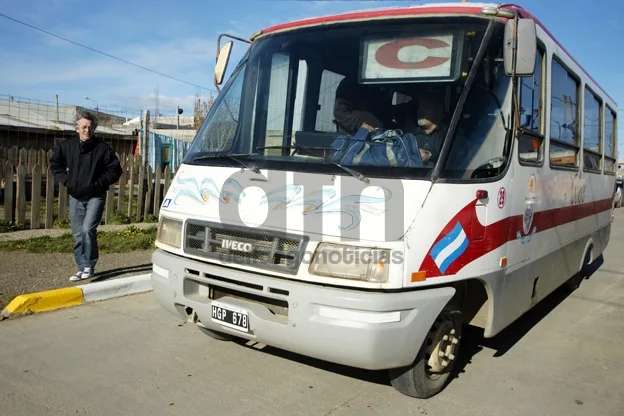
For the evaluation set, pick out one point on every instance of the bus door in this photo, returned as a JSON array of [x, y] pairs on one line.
[[528, 182]]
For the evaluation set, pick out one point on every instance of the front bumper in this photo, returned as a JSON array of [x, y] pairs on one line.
[[369, 330]]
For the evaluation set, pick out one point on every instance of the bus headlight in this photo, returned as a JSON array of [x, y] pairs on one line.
[[169, 232], [350, 262]]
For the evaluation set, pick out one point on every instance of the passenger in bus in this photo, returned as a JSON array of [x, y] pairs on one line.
[[427, 124], [358, 106]]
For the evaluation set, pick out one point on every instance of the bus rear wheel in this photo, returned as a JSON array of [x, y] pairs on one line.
[[575, 281], [435, 361]]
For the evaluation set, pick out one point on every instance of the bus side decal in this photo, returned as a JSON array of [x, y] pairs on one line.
[[439, 262]]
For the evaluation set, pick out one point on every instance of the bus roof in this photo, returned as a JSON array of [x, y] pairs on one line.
[[383, 12], [422, 9]]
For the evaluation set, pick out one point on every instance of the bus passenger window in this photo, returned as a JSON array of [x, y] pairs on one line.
[[564, 128], [592, 149]]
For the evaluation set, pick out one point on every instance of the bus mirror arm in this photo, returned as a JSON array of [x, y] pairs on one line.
[[520, 48], [223, 57]]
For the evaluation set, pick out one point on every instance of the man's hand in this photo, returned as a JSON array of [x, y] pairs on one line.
[[425, 154], [368, 127]]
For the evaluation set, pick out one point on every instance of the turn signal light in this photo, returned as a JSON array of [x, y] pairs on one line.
[[419, 276]]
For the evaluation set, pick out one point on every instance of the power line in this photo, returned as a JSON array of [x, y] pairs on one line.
[[105, 54]]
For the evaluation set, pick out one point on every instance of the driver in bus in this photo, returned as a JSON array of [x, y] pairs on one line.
[[428, 126], [358, 106]]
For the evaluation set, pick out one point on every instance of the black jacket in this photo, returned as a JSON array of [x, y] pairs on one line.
[[87, 168], [356, 104]]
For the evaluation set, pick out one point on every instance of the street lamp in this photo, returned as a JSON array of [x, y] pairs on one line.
[[178, 112], [97, 106]]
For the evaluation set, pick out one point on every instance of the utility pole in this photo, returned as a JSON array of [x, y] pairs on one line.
[[144, 145]]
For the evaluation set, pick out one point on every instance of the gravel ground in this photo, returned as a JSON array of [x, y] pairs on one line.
[[22, 272], [34, 272]]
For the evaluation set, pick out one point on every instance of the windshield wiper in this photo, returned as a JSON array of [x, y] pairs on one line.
[[231, 157], [352, 172], [297, 148]]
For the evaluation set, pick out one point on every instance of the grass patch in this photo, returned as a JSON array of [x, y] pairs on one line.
[[150, 218], [118, 218], [7, 227], [62, 224], [130, 239]]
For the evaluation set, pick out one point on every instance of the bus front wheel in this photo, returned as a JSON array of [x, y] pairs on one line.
[[435, 361]]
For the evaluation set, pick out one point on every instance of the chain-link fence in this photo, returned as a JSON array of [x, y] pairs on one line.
[[40, 125]]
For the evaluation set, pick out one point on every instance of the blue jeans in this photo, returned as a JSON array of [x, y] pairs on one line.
[[85, 216]]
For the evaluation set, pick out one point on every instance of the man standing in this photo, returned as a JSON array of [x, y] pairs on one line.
[[87, 166]]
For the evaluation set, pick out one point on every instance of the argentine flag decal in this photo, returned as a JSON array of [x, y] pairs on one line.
[[449, 248]]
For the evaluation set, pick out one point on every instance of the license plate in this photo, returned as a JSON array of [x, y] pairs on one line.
[[230, 316]]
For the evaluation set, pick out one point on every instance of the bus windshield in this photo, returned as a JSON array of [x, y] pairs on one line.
[[298, 95]]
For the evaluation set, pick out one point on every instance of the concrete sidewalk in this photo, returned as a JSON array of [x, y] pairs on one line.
[[57, 232]]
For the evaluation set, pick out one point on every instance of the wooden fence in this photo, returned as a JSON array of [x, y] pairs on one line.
[[26, 157], [33, 199]]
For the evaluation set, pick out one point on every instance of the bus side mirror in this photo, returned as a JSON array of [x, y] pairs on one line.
[[524, 46], [222, 62]]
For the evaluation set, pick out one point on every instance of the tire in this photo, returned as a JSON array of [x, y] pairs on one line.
[[417, 380], [575, 281], [221, 336]]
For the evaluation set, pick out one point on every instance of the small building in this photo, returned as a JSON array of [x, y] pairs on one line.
[[41, 125], [164, 150], [169, 139], [28, 124]]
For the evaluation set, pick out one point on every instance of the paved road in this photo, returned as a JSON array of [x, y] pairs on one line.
[[129, 357]]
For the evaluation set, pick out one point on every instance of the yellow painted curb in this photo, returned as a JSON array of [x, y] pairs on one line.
[[44, 301]]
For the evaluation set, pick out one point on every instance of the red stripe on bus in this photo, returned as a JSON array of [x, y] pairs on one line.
[[373, 14], [483, 239]]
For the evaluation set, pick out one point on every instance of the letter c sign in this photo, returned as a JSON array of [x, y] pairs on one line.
[[388, 54]]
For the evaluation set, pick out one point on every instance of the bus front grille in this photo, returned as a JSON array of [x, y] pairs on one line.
[[259, 248]]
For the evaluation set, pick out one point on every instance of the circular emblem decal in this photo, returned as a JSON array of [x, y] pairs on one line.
[[501, 198], [529, 200]]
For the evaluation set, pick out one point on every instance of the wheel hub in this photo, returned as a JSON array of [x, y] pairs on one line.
[[441, 346]]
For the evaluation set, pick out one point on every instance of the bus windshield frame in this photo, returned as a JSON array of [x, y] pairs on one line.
[[275, 95]]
